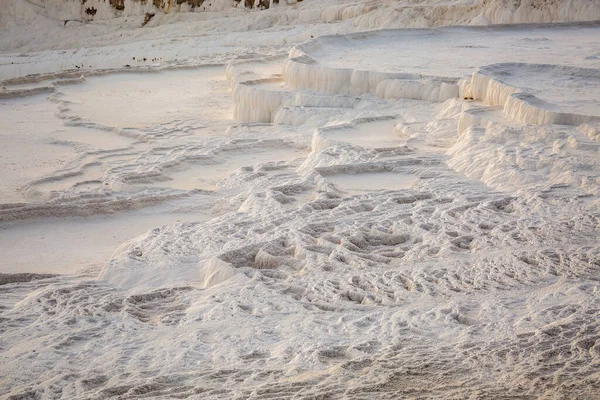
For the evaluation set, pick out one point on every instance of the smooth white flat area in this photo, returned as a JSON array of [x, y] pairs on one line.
[[367, 182], [565, 89], [369, 135], [138, 100], [75, 244], [458, 51], [27, 151], [106, 126]]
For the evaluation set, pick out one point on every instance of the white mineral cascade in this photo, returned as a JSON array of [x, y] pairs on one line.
[[324, 199]]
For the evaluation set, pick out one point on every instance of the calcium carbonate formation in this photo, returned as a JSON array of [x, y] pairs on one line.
[[317, 199]]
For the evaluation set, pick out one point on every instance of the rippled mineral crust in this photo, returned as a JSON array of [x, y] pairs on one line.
[[311, 199]]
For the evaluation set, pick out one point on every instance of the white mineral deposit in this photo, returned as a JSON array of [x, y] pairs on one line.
[[318, 199]]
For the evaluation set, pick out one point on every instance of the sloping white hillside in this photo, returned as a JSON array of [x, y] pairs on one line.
[[208, 200]]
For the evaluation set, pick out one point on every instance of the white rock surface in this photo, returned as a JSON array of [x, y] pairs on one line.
[[218, 205]]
